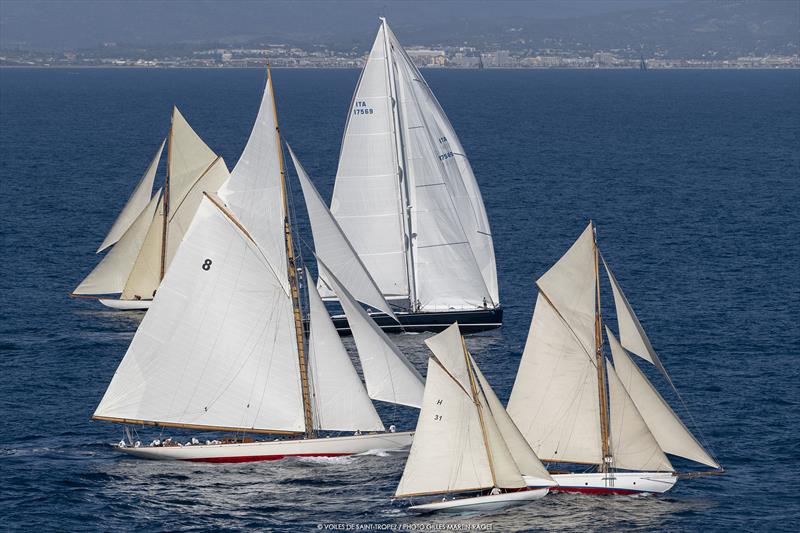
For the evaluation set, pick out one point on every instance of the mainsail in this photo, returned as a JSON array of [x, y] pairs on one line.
[[405, 195], [137, 202], [457, 444]]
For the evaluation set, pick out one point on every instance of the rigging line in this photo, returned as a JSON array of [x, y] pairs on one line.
[[564, 320]]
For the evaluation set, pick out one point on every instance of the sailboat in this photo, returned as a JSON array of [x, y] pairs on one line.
[[575, 407], [406, 198], [148, 230], [467, 454], [223, 346]]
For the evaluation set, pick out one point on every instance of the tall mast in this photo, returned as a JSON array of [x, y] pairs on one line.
[[166, 200], [601, 369], [298, 317], [401, 170], [476, 400]]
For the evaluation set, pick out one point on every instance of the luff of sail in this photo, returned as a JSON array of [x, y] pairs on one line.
[[137, 202], [216, 349], [111, 275], [555, 399], [389, 376], [669, 431], [332, 246], [453, 249], [340, 402]]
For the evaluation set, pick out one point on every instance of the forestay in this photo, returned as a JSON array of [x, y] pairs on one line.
[[111, 274], [217, 347], [366, 194], [389, 376], [137, 202], [555, 399], [671, 434], [454, 252], [339, 400], [332, 246]]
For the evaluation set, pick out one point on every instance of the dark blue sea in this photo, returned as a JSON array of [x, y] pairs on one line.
[[693, 180]]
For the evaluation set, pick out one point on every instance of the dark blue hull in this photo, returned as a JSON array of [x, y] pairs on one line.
[[470, 321]]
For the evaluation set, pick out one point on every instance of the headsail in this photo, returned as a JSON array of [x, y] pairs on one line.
[[452, 233], [136, 203], [110, 276], [340, 402], [331, 244], [631, 333], [633, 446], [555, 399], [189, 158], [217, 348], [389, 376], [671, 434]]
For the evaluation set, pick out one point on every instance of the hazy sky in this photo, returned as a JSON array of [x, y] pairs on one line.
[[62, 24]]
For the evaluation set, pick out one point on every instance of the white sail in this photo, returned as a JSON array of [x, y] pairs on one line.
[[524, 456], [631, 333], [332, 246], [146, 274], [449, 349], [366, 194], [340, 402], [136, 203], [389, 376], [632, 445], [255, 188], [189, 158], [671, 434], [111, 274], [555, 399], [217, 347], [450, 219], [448, 453], [182, 213]]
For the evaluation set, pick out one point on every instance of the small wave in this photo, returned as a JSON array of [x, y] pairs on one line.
[[325, 460]]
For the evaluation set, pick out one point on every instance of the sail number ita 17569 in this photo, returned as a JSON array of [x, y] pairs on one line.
[[361, 108]]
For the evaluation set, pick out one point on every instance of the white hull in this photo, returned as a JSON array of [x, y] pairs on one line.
[[483, 503], [615, 482], [276, 449], [126, 305]]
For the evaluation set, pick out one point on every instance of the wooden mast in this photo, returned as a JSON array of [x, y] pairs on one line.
[[166, 199], [476, 399], [600, 360], [298, 316]]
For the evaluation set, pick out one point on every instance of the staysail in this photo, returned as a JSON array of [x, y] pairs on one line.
[[137, 202], [389, 376], [340, 402], [111, 274], [217, 348], [671, 434], [332, 246], [555, 399]]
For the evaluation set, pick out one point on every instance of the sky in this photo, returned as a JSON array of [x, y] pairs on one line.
[[70, 24]]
